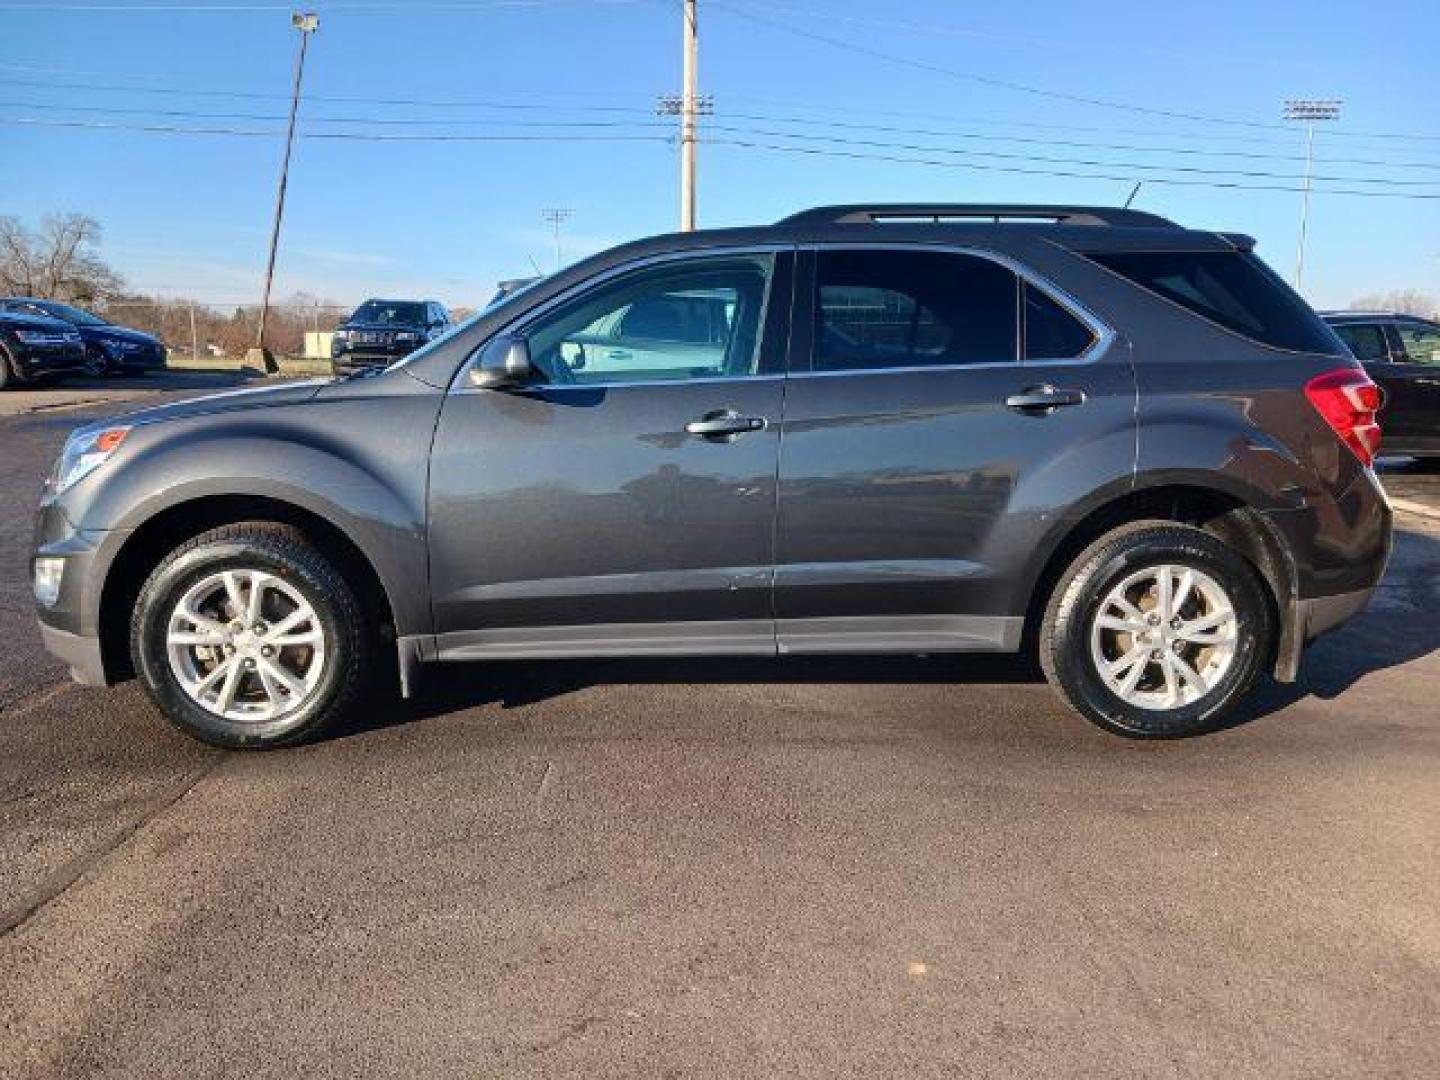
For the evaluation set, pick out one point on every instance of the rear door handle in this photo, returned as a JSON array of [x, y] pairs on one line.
[[724, 425], [1043, 399]]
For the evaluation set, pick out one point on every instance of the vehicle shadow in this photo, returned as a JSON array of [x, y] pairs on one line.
[[1401, 624]]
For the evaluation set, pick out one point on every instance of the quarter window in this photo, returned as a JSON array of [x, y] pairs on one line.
[[1231, 288], [884, 309], [699, 319], [1052, 332]]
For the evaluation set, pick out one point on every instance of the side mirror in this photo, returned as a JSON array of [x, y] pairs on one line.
[[504, 363]]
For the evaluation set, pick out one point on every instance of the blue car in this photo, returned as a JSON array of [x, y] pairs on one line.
[[108, 348]]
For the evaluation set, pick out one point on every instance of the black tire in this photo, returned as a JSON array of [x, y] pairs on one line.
[[9, 377], [97, 362], [281, 551], [1065, 642]]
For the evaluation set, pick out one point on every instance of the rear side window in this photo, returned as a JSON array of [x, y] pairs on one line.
[[881, 309], [1365, 340], [1231, 288], [1051, 332]]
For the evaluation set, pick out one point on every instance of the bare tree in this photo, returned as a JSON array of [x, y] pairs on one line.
[[1403, 301], [57, 261]]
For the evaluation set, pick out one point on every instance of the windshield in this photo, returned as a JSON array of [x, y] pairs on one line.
[[387, 312], [70, 314]]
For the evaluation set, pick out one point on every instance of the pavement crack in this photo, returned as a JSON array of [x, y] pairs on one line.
[[63, 879]]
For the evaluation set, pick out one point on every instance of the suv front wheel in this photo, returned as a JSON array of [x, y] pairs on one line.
[[1157, 630], [248, 636]]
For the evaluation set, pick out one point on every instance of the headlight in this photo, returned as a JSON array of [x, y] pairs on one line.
[[407, 335], [39, 337], [84, 453], [341, 335]]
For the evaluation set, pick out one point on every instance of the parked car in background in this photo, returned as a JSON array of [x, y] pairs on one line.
[[1088, 432], [108, 348], [383, 331], [34, 349], [1402, 354]]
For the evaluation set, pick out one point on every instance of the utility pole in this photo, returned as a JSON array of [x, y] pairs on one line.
[[556, 216], [689, 106], [1308, 111], [307, 23]]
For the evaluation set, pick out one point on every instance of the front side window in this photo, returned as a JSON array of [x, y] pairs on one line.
[[1422, 343], [1366, 341], [698, 319], [887, 309]]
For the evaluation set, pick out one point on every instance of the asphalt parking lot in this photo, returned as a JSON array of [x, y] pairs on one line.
[[919, 866]]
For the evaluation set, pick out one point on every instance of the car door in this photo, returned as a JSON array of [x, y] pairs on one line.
[[907, 442], [611, 509], [1417, 369]]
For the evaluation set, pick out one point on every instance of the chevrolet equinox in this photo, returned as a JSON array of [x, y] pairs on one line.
[[1088, 432]]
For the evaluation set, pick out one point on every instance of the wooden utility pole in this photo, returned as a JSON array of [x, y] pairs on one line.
[[688, 107], [307, 23]]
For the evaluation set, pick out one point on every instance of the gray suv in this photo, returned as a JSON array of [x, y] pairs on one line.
[[1086, 432]]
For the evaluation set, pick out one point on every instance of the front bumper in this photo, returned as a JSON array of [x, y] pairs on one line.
[[49, 359], [82, 654], [70, 627]]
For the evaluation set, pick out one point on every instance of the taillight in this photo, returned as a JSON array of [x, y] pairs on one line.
[[1348, 401]]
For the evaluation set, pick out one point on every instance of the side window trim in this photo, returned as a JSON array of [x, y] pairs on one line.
[[807, 310], [460, 383]]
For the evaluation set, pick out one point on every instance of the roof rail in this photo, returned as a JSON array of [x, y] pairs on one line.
[[912, 213]]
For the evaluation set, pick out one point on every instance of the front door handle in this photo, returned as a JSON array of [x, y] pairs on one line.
[[1044, 399], [724, 425]]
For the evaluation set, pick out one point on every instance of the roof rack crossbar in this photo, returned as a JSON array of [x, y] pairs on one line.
[[938, 213]]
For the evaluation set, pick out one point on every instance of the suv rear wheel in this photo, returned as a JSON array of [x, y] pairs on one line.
[[1157, 630], [248, 636]]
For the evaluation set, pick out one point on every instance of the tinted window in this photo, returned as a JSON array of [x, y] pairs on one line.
[[910, 308], [698, 319], [1365, 340], [400, 312], [1422, 342], [1231, 288], [1051, 332]]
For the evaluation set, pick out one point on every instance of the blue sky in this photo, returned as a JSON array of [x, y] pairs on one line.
[[189, 215]]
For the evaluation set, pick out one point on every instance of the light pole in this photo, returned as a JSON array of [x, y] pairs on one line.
[[307, 23], [556, 216], [1308, 111]]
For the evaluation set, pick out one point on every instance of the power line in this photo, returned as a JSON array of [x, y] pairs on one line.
[[384, 121], [357, 136], [174, 90], [816, 151], [1045, 159], [1023, 88]]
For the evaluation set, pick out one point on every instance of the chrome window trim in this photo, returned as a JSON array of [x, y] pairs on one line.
[[1104, 335], [457, 384]]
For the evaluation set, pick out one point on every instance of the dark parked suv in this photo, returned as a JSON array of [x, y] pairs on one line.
[[1402, 354], [1088, 432], [383, 331]]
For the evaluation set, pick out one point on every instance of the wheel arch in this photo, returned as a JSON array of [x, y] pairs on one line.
[[162, 532], [1218, 509]]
